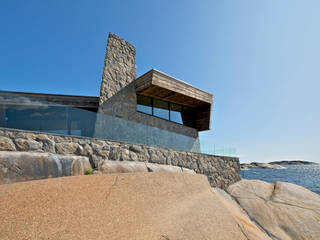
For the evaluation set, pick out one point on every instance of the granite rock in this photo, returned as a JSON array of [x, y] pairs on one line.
[[67, 148], [6, 144], [244, 166], [122, 167], [220, 171], [144, 206], [80, 165], [108, 166], [27, 144], [24, 166], [247, 225], [284, 210]]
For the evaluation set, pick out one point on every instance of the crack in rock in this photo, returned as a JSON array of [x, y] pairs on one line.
[[113, 185], [164, 237]]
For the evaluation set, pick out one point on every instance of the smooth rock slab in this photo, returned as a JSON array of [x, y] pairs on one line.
[[109, 166], [139, 206], [248, 227], [285, 210], [24, 166], [152, 167]]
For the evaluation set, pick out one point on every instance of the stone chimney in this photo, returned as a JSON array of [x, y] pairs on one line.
[[119, 67]]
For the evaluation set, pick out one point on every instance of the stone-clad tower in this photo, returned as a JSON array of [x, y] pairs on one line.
[[118, 118], [118, 75], [117, 93]]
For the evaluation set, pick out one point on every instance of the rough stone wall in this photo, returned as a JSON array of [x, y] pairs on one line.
[[119, 67], [221, 171]]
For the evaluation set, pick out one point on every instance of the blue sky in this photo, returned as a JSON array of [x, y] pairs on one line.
[[260, 59]]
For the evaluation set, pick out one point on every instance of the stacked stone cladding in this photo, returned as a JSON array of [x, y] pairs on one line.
[[221, 171], [119, 67]]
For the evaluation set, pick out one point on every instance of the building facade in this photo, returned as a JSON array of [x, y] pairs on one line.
[[154, 109]]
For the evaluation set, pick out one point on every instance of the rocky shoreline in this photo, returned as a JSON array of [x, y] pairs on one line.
[[283, 210], [293, 162], [274, 165], [245, 166]]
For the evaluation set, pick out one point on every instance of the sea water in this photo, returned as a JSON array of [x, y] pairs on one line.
[[307, 176]]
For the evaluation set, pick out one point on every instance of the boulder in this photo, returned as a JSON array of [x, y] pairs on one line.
[[28, 144], [156, 156], [67, 148], [142, 206], [152, 167], [108, 166], [79, 165], [6, 144], [285, 210], [24, 166], [48, 145]]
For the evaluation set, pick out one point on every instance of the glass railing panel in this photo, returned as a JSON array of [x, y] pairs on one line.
[[28, 113], [217, 149]]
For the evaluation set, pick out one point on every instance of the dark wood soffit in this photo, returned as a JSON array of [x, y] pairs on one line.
[[170, 96], [160, 85]]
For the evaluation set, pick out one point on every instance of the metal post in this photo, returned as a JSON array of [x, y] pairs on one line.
[[3, 117]]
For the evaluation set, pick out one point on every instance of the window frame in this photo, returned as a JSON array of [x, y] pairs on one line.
[[169, 109], [151, 105]]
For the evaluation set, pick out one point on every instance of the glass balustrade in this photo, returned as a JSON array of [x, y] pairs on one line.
[[28, 113]]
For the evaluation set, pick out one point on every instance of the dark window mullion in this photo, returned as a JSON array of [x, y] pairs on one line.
[[68, 119], [152, 106], [169, 107], [169, 111]]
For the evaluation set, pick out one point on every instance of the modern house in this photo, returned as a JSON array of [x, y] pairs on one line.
[[154, 109]]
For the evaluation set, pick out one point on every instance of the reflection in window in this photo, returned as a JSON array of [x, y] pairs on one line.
[[49, 119], [161, 109], [166, 110], [34, 118], [81, 122], [144, 104], [175, 113]]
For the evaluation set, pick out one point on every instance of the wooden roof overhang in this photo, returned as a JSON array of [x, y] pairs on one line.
[[161, 86]]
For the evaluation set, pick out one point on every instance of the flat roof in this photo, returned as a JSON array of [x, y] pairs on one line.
[[159, 85], [69, 100], [162, 86]]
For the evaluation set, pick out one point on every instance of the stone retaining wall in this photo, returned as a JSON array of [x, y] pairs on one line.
[[221, 171]]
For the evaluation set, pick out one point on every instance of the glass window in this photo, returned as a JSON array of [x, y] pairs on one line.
[[81, 122], [175, 113], [161, 109], [144, 104], [188, 116], [37, 118], [164, 109]]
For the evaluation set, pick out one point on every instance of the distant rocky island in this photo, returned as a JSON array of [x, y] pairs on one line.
[[275, 164], [293, 162]]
